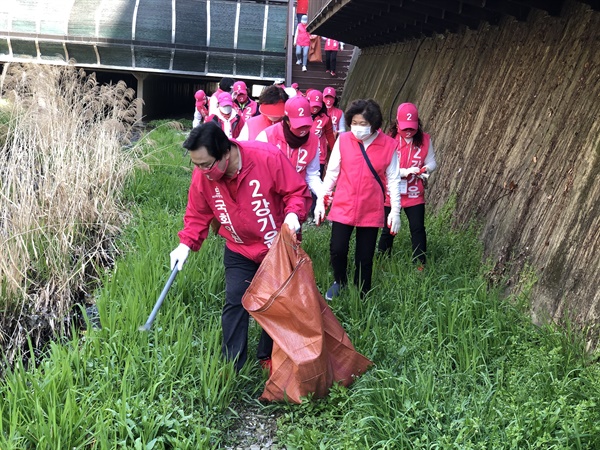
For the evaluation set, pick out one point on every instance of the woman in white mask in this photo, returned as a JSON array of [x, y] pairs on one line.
[[362, 168]]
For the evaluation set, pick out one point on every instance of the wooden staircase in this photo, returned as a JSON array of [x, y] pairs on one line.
[[316, 78]]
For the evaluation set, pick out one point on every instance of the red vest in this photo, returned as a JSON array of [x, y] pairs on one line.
[[236, 125], [247, 111], [319, 127], [336, 116], [251, 207], [332, 44], [359, 199], [299, 157], [410, 155]]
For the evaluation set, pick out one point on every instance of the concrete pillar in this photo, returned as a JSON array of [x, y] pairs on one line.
[[140, 77]]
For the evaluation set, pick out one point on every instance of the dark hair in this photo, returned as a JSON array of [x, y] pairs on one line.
[[323, 110], [417, 138], [272, 95], [369, 109], [225, 84], [211, 136]]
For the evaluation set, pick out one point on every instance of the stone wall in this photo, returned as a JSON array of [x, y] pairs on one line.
[[514, 114]]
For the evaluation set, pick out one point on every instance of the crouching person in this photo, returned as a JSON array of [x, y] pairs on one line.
[[251, 188]]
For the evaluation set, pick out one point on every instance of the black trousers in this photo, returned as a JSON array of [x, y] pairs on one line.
[[239, 272], [418, 235], [366, 239], [330, 59]]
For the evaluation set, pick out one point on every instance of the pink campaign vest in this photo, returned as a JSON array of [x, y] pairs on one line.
[[236, 125], [248, 111], [266, 189], [358, 199], [412, 156], [318, 128], [299, 157], [332, 44], [336, 116], [303, 36]]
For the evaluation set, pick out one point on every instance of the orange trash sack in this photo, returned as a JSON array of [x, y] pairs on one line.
[[311, 350]]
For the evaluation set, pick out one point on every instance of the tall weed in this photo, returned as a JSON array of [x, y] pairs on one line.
[[62, 174]]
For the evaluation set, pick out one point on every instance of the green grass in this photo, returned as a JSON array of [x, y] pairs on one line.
[[456, 366]]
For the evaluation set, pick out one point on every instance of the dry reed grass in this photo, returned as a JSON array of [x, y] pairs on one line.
[[62, 171]]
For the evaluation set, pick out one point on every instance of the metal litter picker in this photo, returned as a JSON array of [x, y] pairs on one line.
[[162, 296]]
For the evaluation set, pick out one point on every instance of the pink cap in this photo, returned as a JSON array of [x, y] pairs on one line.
[[298, 111], [407, 116], [329, 92], [315, 98], [239, 87], [224, 99], [200, 96]]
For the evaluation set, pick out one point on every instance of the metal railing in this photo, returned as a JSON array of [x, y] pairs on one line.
[[315, 6]]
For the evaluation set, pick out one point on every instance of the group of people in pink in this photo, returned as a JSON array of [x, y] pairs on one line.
[[292, 158]]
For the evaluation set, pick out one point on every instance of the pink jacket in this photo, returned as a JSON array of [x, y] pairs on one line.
[[249, 110], [413, 156], [358, 199], [302, 36], [251, 207], [299, 157]]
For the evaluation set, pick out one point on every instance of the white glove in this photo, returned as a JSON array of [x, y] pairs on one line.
[[404, 173], [319, 210], [179, 255], [292, 221], [394, 222]]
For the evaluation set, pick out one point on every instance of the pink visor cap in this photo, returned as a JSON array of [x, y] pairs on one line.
[[315, 98], [239, 87], [273, 110], [298, 111], [407, 117], [224, 99], [329, 92]]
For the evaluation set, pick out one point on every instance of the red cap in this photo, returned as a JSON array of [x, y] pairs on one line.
[[315, 98], [329, 92], [298, 111], [224, 99], [239, 87], [407, 116]]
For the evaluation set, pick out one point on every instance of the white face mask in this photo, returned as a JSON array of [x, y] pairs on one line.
[[360, 132], [225, 109]]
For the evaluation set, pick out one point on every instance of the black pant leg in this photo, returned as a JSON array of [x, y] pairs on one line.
[[333, 60], [338, 250], [239, 272], [386, 240], [366, 239], [416, 223]]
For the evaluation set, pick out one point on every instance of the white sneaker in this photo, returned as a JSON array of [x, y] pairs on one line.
[[298, 62], [303, 68]]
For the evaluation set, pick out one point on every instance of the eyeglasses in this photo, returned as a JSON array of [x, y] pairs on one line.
[[206, 166]]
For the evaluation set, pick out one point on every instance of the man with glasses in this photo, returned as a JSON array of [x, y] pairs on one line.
[[252, 189]]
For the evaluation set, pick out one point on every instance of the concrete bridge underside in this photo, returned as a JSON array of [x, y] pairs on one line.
[[165, 49]]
